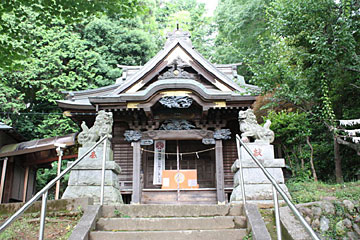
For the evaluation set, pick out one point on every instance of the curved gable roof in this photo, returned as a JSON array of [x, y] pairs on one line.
[[162, 55], [140, 83]]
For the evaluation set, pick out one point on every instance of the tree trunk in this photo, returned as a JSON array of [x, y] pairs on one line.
[[312, 159], [337, 158], [302, 158]]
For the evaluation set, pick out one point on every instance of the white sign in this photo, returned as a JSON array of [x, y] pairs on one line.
[[159, 161], [166, 182]]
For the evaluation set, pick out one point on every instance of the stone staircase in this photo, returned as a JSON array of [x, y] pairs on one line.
[[170, 222]]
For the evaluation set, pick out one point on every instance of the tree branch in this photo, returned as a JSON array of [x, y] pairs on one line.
[[354, 146], [356, 86], [352, 69]]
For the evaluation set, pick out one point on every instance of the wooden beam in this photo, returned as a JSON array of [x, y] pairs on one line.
[[26, 180], [47, 160], [177, 134], [136, 194], [5, 161], [220, 193]]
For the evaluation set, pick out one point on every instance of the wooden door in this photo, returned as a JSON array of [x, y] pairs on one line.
[[203, 162]]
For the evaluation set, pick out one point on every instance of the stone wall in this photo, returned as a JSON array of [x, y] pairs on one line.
[[330, 219]]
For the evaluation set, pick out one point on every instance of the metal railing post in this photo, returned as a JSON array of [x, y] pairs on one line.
[[43, 215], [280, 191], [103, 174], [241, 172], [277, 214]]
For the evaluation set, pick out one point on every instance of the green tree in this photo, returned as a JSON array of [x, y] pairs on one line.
[[191, 16], [44, 12], [293, 131], [66, 57], [311, 59], [240, 25]]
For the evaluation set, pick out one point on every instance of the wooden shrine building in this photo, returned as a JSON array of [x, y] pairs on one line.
[[176, 109]]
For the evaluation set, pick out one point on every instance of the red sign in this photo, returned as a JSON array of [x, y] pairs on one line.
[[160, 145], [257, 152], [93, 154]]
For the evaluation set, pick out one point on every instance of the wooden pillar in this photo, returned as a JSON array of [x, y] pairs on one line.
[[59, 152], [220, 193], [136, 194], [26, 180], [2, 187]]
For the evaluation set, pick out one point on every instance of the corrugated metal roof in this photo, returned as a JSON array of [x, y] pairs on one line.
[[37, 145]]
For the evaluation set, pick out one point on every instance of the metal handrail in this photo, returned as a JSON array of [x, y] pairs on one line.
[[44, 192], [276, 188]]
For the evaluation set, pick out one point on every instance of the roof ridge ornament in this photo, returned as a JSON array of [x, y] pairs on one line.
[[178, 34]]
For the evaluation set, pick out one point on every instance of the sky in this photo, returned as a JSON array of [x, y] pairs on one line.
[[210, 5]]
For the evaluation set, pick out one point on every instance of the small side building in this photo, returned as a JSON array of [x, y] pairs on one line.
[[20, 160]]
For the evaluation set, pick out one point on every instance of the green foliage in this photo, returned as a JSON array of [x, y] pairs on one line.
[[302, 192], [59, 227], [20, 226], [240, 25], [290, 127], [248, 236], [119, 41], [190, 15], [43, 15], [291, 130], [45, 175], [119, 214], [305, 54], [66, 57]]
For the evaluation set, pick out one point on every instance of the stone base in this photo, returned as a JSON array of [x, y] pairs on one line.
[[257, 185], [85, 178], [256, 175], [112, 195], [256, 192]]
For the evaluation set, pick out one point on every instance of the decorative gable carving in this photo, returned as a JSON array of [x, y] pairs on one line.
[[177, 70], [176, 101]]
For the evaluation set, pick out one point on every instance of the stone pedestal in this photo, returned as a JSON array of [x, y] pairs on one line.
[[258, 189], [85, 178]]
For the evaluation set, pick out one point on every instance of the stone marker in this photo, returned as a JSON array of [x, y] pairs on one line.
[[257, 186], [85, 178]]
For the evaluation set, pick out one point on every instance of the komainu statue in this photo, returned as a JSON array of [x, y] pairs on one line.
[[102, 126], [250, 128]]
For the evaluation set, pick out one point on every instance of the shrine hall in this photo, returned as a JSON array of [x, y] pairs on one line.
[[175, 121]]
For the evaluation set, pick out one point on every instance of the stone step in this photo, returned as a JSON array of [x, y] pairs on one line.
[[168, 210], [170, 224], [186, 197], [228, 234]]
